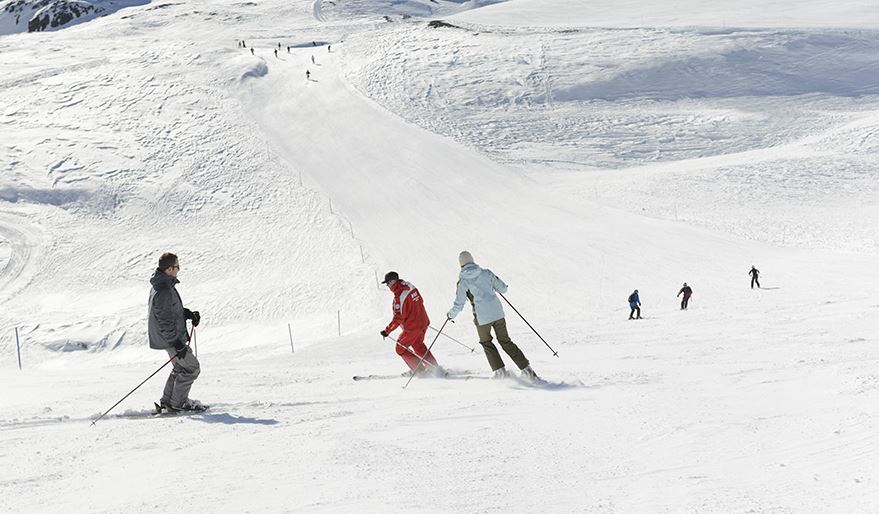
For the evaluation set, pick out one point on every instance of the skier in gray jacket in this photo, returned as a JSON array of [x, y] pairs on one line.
[[479, 285], [167, 331]]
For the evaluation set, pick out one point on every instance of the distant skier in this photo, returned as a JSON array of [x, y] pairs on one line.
[[478, 285], [755, 273], [276, 53], [687, 291], [243, 44], [408, 308], [288, 49], [635, 305], [167, 331], [328, 48], [251, 51], [312, 60], [307, 75], [279, 46]]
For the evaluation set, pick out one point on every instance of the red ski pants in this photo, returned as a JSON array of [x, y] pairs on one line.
[[413, 339]]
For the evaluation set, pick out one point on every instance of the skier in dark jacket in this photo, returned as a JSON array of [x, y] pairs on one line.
[[635, 305], [687, 292], [167, 331], [755, 274]]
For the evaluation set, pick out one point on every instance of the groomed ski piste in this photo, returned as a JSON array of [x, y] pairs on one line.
[[580, 150]]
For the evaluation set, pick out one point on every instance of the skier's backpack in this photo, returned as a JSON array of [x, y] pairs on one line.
[[631, 297]]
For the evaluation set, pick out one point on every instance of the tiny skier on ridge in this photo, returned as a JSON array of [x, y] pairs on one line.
[[635, 305], [755, 274], [687, 291]]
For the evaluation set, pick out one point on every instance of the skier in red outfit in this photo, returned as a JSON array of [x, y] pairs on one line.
[[409, 313]]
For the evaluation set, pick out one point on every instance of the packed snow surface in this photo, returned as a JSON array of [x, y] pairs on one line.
[[580, 150]]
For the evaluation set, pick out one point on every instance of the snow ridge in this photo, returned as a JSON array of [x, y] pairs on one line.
[[50, 15]]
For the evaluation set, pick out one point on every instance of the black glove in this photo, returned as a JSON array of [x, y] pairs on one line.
[[193, 315], [383, 333], [181, 349]]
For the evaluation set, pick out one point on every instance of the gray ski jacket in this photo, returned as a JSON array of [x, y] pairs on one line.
[[167, 320]]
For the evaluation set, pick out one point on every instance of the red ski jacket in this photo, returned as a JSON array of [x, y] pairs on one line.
[[408, 308]]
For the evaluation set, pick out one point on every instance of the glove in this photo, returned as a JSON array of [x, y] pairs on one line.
[[193, 315], [383, 333], [181, 349]]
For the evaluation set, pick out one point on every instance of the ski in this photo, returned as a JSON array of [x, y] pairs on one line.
[[158, 410], [451, 375]]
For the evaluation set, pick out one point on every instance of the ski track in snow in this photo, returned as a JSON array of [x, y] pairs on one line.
[[577, 162]]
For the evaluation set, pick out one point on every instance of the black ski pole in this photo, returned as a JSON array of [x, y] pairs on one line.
[[453, 339], [555, 353], [138, 385], [133, 390], [440, 331]]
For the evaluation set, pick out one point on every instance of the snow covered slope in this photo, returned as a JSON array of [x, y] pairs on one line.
[[577, 163], [48, 15], [677, 13]]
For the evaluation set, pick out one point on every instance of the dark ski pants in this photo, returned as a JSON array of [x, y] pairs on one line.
[[755, 281], [503, 338], [634, 310], [180, 380], [684, 303], [414, 339]]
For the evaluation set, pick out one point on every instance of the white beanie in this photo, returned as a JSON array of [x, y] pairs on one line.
[[465, 258]]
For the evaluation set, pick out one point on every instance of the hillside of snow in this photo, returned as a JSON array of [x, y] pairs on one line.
[[50, 15], [579, 151]]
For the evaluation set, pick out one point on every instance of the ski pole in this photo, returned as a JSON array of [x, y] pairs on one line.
[[133, 390], [138, 385], [432, 365], [440, 331], [555, 353], [455, 340]]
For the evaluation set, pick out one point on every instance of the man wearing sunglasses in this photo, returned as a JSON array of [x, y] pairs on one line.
[[167, 331]]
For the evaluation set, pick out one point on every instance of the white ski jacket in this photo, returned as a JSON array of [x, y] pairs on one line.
[[481, 284]]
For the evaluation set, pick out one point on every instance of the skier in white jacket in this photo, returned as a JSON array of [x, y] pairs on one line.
[[479, 285]]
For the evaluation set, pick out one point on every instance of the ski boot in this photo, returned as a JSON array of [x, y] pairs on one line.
[[501, 373], [530, 375]]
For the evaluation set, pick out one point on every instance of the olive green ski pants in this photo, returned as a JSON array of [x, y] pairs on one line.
[[503, 338]]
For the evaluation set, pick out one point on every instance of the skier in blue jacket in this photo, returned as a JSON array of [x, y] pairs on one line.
[[635, 305], [478, 285]]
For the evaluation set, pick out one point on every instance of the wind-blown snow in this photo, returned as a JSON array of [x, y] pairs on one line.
[[579, 153]]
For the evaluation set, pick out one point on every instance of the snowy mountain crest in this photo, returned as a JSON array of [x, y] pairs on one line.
[[47, 15]]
